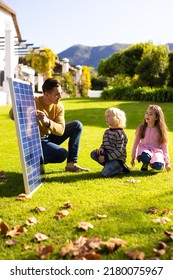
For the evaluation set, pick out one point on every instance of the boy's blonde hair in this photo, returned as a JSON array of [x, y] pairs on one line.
[[117, 114]]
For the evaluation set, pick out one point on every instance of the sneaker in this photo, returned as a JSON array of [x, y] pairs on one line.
[[76, 168], [144, 167]]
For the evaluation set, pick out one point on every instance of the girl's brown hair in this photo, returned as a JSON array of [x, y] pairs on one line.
[[159, 123]]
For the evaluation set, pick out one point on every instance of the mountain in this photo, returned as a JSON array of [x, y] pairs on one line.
[[170, 46], [90, 56]]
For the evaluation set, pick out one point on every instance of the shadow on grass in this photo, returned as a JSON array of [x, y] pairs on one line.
[[75, 177], [11, 185], [135, 112]]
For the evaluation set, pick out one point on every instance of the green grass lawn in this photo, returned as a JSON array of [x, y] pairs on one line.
[[125, 204]]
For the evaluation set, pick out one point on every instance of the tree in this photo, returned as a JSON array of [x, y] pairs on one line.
[[170, 69], [111, 66], [152, 68], [98, 83], [144, 61], [42, 61], [130, 59], [123, 62], [68, 83], [85, 82]]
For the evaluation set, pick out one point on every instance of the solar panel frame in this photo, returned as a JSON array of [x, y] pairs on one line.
[[28, 136]]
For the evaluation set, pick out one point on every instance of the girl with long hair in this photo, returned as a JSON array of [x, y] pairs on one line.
[[151, 141]]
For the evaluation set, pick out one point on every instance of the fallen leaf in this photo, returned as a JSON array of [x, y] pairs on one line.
[[114, 243], [16, 231], [68, 204], [133, 181], [162, 245], [85, 225], [61, 214], [82, 249], [40, 209], [169, 234], [99, 216], [38, 237], [91, 255], [162, 220], [44, 251], [160, 252], [11, 242], [71, 250], [166, 211], [81, 241], [27, 247], [23, 196], [3, 227], [93, 243], [153, 210], [135, 254], [31, 221]]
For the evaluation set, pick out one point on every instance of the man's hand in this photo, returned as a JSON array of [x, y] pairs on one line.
[[41, 116]]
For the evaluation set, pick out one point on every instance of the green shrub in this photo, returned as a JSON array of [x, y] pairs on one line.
[[139, 94]]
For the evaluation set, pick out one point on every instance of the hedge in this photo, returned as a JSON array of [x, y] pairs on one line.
[[139, 94]]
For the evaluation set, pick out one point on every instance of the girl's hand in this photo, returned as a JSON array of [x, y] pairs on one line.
[[168, 167], [133, 162]]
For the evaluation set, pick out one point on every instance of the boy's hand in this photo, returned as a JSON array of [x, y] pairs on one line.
[[100, 151], [101, 158]]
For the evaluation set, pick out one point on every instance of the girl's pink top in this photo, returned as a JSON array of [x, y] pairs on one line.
[[150, 142]]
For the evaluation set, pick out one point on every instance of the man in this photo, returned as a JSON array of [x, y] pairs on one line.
[[54, 131]]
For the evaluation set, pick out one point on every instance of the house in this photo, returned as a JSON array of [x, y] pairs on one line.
[[11, 45], [9, 38]]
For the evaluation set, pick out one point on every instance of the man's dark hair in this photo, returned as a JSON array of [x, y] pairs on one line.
[[49, 84]]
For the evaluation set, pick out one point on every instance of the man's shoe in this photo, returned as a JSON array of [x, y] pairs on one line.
[[144, 167], [76, 168]]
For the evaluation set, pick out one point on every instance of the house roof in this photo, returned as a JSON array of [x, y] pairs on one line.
[[4, 7]]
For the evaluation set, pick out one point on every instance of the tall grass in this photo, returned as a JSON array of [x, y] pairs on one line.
[[125, 204]]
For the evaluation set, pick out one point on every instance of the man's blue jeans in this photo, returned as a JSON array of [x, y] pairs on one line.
[[111, 168], [54, 153]]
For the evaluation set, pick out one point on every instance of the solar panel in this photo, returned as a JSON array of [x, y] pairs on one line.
[[28, 136]]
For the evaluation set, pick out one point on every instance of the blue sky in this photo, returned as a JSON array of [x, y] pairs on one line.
[[59, 24]]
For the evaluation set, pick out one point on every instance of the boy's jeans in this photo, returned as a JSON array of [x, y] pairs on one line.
[[111, 168]]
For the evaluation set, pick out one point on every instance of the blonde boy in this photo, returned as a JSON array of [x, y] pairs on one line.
[[112, 152]]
